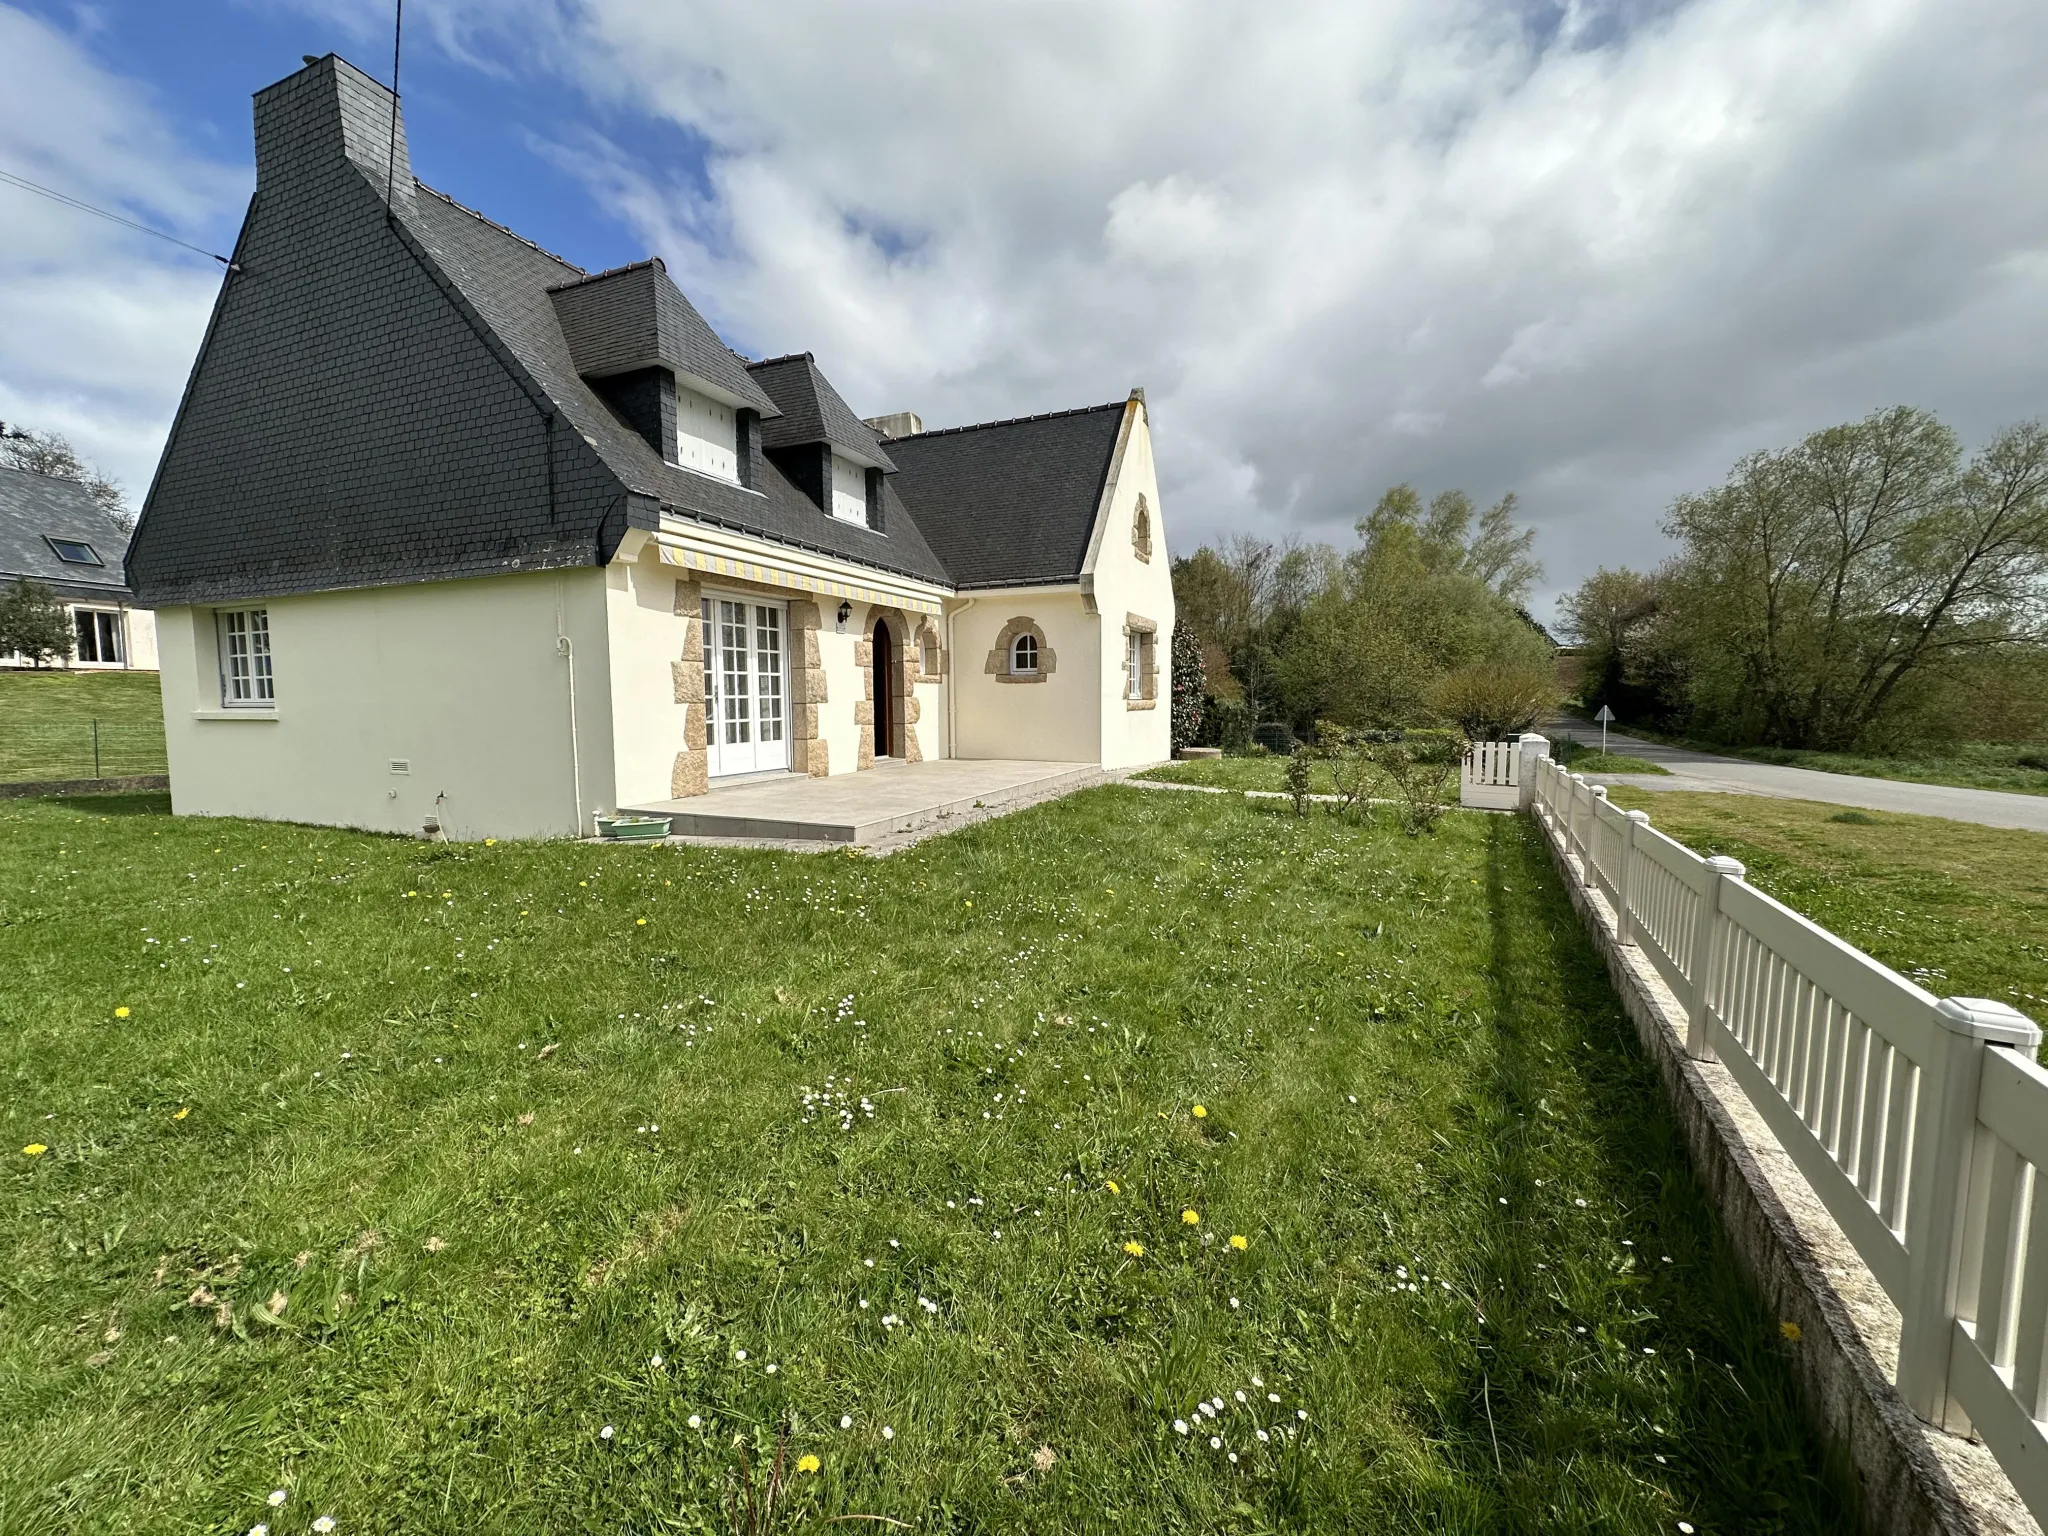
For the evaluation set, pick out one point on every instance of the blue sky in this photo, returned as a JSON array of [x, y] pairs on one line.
[[468, 121], [1589, 251]]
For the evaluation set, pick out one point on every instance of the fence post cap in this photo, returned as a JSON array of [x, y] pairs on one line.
[[1640, 818], [1532, 739], [1726, 868], [1985, 1018]]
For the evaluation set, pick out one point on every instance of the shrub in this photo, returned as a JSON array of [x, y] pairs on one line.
[[1228, 724], [1298, 778], [1190, 687], [1492, 701], [1423, 771]]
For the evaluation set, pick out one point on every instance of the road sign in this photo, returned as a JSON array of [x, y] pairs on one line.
[[1603, 717]]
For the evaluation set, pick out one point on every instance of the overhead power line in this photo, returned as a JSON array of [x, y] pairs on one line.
[[69, 201]]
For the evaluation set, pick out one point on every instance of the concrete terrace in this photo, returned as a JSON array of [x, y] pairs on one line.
[[887, 802]]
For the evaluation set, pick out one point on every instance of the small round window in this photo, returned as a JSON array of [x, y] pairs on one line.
[[1024, 656]]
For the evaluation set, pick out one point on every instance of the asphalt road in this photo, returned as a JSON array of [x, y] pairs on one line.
[[1690, 770]]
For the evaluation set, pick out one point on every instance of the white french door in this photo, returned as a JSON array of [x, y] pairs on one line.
[[746, 685]]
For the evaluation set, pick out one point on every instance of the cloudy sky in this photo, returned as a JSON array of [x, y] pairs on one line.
[[1588, 252]]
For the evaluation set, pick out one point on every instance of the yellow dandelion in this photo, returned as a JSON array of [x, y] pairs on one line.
[[1790, 1330], [639, 922], [1190, 1219], [412, 893], [807, 1464], [1112, 1187], [1237, 1241], [120, 1013], [1135, 1250], [490, 842], [182, 1113], [34, 1149], [970, 905], [1201, 1113]]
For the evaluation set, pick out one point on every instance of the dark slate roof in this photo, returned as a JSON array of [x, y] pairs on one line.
[[509, 281], [37, 508], [634, 317], [812, 411], [1010, 503], [387, 393]]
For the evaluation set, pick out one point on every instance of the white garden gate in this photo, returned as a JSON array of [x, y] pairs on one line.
[[1489, 777]]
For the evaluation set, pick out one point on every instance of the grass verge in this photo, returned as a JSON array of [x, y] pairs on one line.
[[1611, 762], [46, 725], [1961, 909], [451, 1187]]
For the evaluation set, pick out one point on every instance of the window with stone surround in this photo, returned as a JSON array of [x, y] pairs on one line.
[[1141, 662], [1012, 660], [1141, 531]]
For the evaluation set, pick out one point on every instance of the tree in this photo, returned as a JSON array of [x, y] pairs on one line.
[[51, 453], [1819, 585], [33, 624]]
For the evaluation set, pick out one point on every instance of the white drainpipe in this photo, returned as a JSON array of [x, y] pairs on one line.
[[953, 682]]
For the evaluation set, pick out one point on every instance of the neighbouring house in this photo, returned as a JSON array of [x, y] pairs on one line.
[[53, 533], [450, 530]]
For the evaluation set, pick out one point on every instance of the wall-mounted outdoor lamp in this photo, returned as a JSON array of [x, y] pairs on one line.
[[845, 613]]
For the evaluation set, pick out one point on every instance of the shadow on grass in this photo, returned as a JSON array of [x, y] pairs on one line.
[[1569, 1069]]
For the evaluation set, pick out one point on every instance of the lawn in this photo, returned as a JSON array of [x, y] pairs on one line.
[[2017, 768], [1603, 763], [1266, 773], [1961, 909], [453, 1188], [46, 724], [1972, 765]]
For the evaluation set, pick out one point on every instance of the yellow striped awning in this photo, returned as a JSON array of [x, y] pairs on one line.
[[782, 576]]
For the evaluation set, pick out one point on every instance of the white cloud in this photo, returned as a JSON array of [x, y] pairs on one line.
[[1589, 253], [98, 324]]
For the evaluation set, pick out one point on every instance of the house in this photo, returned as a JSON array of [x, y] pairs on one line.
[[450, 530], [53, 533]]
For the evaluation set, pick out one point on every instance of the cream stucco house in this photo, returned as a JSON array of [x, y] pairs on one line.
[[450, 532]]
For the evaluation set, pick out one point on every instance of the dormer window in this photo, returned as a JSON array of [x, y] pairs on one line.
[[849, 490], [706, 435]]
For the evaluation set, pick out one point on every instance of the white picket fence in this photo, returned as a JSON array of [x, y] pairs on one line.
[[1922, 1123], [1489, 776]]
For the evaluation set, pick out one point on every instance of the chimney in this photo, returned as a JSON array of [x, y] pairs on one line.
[[331, 113], [897, 424]]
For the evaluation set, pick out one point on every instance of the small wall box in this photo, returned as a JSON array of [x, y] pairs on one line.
[[638, 829]]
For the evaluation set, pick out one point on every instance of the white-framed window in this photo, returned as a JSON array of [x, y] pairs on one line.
[[98, 634], [1134, 665], [707, 437], [245, 675], [1024, 656]]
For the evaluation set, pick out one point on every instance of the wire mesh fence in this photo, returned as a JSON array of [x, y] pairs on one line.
[[79, 749]]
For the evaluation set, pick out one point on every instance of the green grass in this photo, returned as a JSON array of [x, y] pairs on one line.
[[46, 724], [2019, 769], [1268, 773], [407, 1094], [1611, 762], [1961, 909]]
